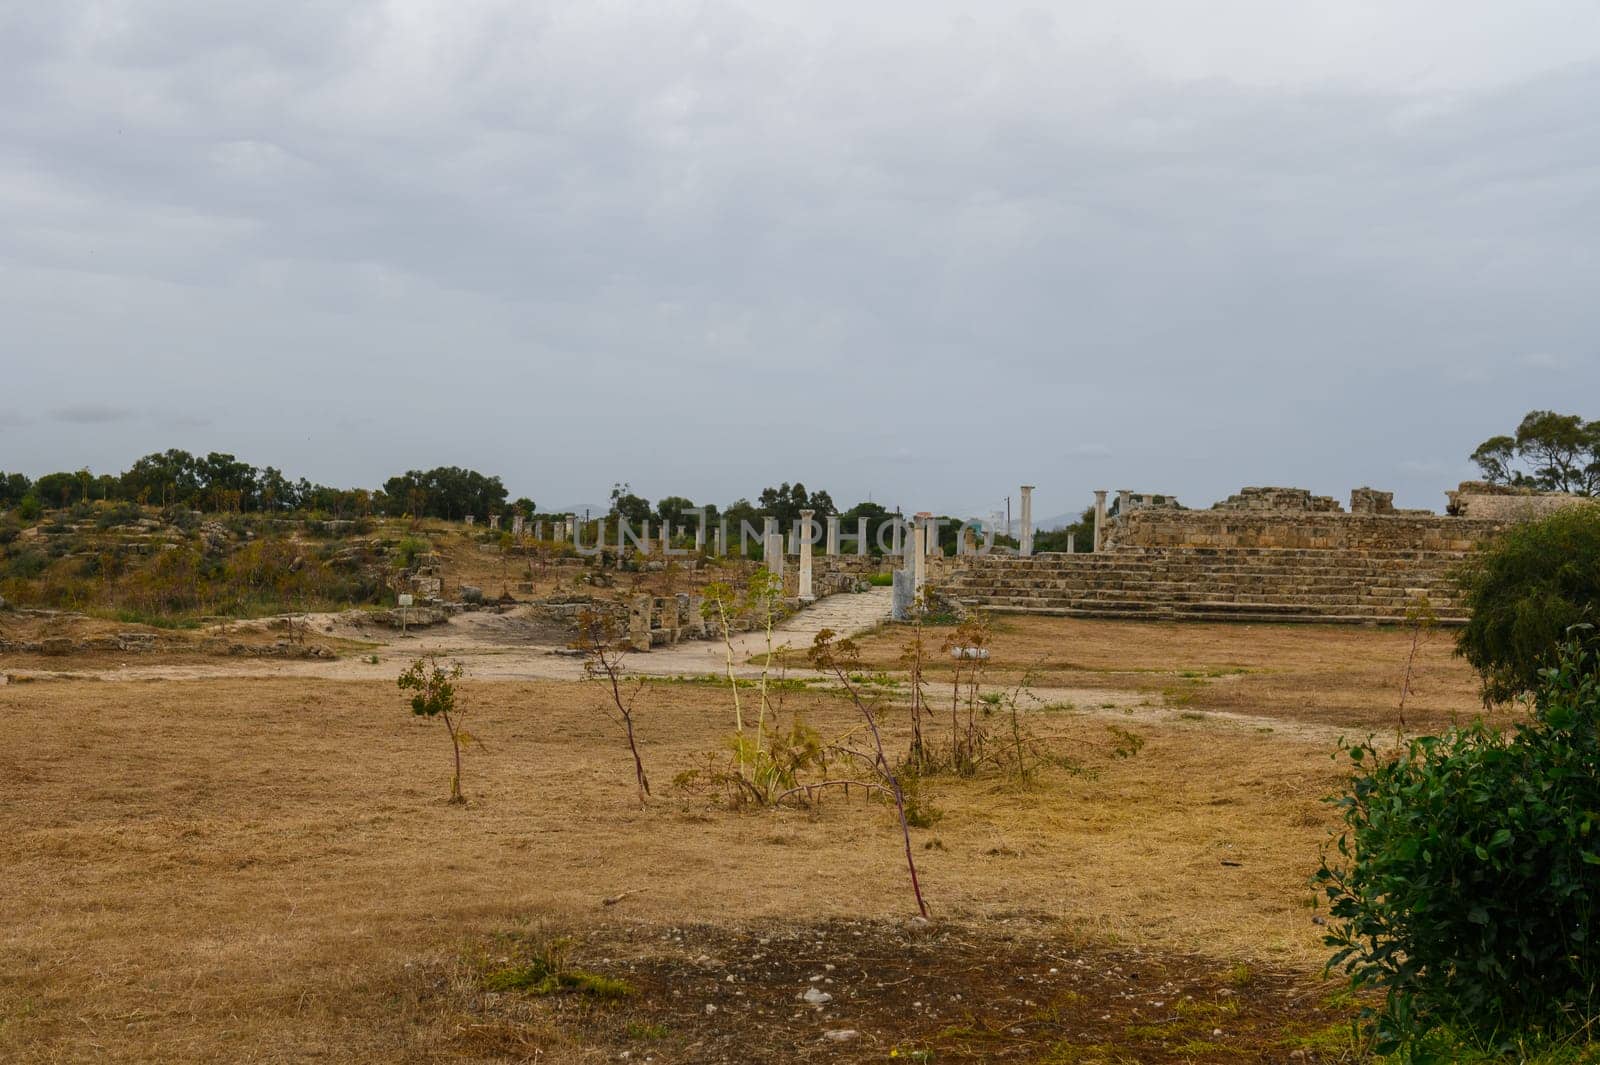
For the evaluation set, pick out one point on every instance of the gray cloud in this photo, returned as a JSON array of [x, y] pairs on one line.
[[920, 252], [91, 414]]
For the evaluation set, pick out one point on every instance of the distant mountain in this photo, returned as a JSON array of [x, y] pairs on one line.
[[1060, 521], [594, 510]]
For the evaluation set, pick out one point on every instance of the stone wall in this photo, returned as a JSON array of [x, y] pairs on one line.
[[858, 566], [1371, 501], [1305, 529], [1280, 500], [1498, 502]]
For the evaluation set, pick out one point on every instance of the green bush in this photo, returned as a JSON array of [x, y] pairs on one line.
[[119, 515], [407, 550], [1524, 591], [1464, 883], [29, 508]]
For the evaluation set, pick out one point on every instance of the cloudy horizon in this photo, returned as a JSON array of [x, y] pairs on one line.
[[920, 253]]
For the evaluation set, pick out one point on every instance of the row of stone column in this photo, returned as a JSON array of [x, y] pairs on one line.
[[773, 541], [1025, 533], [559, 530]]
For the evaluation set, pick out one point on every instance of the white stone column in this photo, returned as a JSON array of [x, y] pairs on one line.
[[861, 537], [833, 535], [772, 548], [805, 554], [1124, 502], [1099, 520], [666, 537], [1025, 535], [919, 553], [1071, 542], [700, 535]]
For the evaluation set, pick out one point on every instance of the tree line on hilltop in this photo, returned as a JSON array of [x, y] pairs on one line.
[[221, 483]]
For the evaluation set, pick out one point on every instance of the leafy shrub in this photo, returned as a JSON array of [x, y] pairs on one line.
[[1467, 873], [1524, 591], [25, 565], [29, 509], [407, 550], [121, 514], [181, 518]]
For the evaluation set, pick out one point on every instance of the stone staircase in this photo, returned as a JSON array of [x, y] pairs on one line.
[[1374, 586]]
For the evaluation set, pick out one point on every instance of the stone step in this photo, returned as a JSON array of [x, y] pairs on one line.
[[1374, 586], [1146, 613]]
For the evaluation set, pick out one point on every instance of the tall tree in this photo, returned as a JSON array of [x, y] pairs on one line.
[[625, 504], [676, 510], [1555, 452], [786, 501]]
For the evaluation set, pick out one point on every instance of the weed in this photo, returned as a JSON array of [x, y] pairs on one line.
[[1125, 742], [549, 975]]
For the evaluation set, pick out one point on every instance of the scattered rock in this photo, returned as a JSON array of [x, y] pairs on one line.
[[840, 1035], [471, 594], [414, 617], [816, 997], [136, 641]]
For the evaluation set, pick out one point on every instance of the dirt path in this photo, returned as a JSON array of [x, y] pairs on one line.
[[505, 647], [496, 647], [846, 614]]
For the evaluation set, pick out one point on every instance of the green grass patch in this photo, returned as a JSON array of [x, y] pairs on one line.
[[538, 978]]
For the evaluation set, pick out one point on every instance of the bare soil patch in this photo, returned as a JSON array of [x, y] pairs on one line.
[[1008, 989]]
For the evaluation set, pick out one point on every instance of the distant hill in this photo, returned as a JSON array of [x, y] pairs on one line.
[[594, 510], [1060, 521]]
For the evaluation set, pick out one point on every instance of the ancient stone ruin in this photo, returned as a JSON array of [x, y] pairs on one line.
[[1262, 554]]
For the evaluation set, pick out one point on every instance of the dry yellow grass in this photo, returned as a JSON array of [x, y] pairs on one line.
[[260, 869]]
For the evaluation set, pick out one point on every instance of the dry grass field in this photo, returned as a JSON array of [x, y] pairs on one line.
[[265, 869]]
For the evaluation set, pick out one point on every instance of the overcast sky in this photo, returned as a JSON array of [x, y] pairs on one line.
[[918, 250]]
